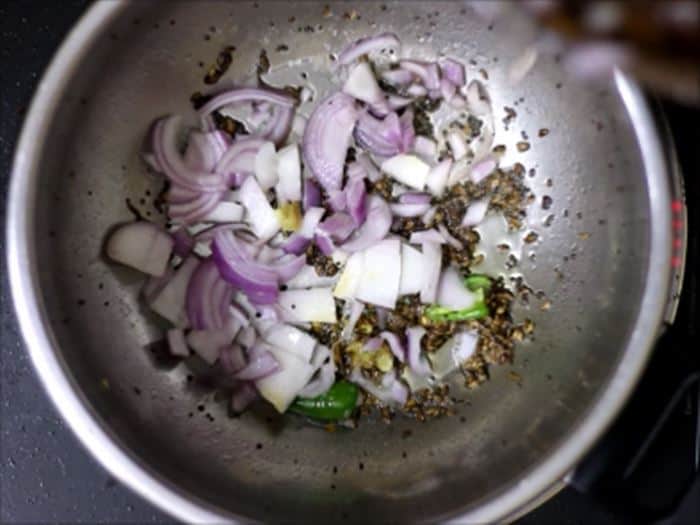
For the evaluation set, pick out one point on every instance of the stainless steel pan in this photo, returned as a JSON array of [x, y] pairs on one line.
[[604, 262]]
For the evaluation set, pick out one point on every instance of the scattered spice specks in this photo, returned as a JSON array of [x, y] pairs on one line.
[[522, 146]]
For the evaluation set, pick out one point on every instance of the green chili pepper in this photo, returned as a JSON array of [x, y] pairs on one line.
[[478, 310], [478, 281], [335, 405]]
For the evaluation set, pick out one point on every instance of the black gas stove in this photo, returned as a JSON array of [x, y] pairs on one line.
[[644, 470]]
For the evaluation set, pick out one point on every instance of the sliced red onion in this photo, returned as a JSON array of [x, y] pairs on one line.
[[180, 195], [458, 144], [475, 213], [277, 128], [311, 195], [282, 387], [205, 149], [356, 309], [362, 85], [453, 353], [390, 392], [418, 363], [460, 171], [397, 77], [395, 344], [327, 138], [232, 358], [416, 90], [169, 302], [412, 270], [409, 210], [207, 234], [296, 244], [356, 197], [397, 102], [382, 137], [412, 197], [193, 211], [478, 100], [269, 253], [261, 363], [237, 313], [452, 241], [239, 159], [225, 212], [291, 339], [208, 344], [309, 278], [208, 297], [265, 166], [337, 200], [355, 170], [379, 284], [432, 261], [482, 169], [182, 242], [407, 169], [428, 72], [429, 215], [349, 279], [288, 188], [261, 217], [298, 127], [453, 71], [424, 236], [338, 226], [177, 343], [298, 241], [141, 245], [374, 228], [425, 147], [259, 283], [372, 345], [324, 243], [245, 95], [288, 266], [481, 146], [408, 134], [247, 337], [367, 45], [447, 89], [171, 162], [323, 360], [373, 173], [243, 395]]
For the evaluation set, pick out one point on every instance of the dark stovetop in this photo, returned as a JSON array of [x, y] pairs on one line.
[[46, 475]]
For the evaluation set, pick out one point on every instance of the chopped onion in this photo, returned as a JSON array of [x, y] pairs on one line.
[[308, 306], [452, 241], [356, 309], [225, 212], [205, 149], [266, 166], [429, 215], [459, 172], [482, 169], [240, 158], [350, 277], [412, 197], [327, 138], [169, 303], [397, 102], [282, 387], [428, 72], [447, 89], [450, 356], [261, 217], [375, 227], [432, 261], [408, 133], [309, 278], [423, 236], [177, 343], [325, 377], [425, 147], [208, 344], [356, 197], [362, 85], [408, 170], [381, 137], [262, 363], [324, 243], [476, 211], [437, 177], [409, 210], [379, 282], [397, 77], [208, 298], [452, 293], [390, 392], [247, 95], [373, 174], [141, 245], [412, 270], [458, 144], [194, 210], [477, 99], [416, 90], [247, 337], [416, 360], [395, 344], [182, 242], [312, 195], [232, 358], [289, 169], [453, 71], [365, 46], [481, 146], [338, 226]]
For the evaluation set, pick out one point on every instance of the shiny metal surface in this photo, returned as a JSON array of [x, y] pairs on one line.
[[603, 263]]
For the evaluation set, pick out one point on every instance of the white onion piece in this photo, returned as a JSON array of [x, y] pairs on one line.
[[450, 356], [432, 263], [416, 382], [425, 147], [481, 146], [407, 169], [225, 212], [362, 85], [458, 144], [482, 169], [170, 301], [476, 211], [452, 293], [205, 149], [373, 173], [289, 170], [291, 339], [266, 166], [349, 279], [375, 227], [478, 100], [141, 245], [261, 217], [412, 270], [459, 172], [308, 306], [437, 177], [208, 343], [416, 90], [429, 215], [409, 210], [522, 65], [247, 336], [397, 77], [379, 282], [397, 102], [325, 377], [177, 343], [283, 386], [267, 253], [153, 285], [416, 360], [356, 309], [452, 241], [390, 392], [424, 236], [308, 278]]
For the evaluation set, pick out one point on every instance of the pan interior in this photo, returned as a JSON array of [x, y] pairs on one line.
[[589, 262]]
